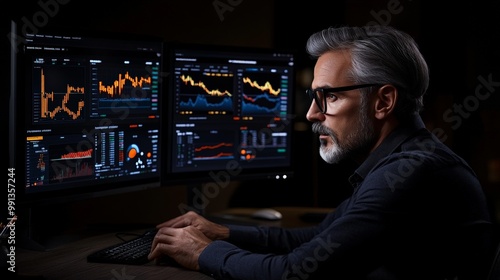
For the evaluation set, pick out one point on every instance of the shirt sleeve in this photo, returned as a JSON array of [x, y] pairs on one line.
[[270, 239], [271, 253]]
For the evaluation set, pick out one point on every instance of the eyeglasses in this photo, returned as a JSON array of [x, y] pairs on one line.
[[321, 96]]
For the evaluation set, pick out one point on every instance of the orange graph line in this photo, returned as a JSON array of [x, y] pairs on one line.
[[217, 155], [213, 147], [46, 96], [267, 86], [215, 92], [248, 98], [117, 87]]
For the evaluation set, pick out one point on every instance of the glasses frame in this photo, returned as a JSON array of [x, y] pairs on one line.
[[323, 107]]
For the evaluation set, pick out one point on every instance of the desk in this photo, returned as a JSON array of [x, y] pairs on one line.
[[69, 260]]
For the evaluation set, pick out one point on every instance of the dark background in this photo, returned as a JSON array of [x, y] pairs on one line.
[[458, 41]]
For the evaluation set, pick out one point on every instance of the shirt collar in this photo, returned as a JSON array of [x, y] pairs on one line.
[[390, 143]]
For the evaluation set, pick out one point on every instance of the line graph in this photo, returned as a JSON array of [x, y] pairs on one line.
[[266, 87], [59, 94], [205, 93], [118, 88], [213, 151], [204, 146], [263, 93], [122, 84]]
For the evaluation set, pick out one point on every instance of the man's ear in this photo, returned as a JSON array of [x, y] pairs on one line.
[[385, 101]]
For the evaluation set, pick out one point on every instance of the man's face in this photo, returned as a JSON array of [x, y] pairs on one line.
[[345, 130]]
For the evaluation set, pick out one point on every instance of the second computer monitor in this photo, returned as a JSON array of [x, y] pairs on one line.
[[230, 113]]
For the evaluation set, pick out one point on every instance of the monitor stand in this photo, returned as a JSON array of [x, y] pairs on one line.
[[26, 237], [33, 233]]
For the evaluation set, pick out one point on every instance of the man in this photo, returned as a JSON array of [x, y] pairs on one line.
[[417, 210]]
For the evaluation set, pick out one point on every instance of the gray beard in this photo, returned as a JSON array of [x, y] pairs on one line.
[[357, 143]]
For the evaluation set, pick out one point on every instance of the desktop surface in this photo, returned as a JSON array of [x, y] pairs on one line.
[[69, 261]]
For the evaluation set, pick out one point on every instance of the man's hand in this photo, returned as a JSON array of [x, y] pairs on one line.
[[184, 238], [209, 229], [184, 245]]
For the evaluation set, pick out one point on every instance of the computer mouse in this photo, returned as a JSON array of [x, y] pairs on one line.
[[267, 214]]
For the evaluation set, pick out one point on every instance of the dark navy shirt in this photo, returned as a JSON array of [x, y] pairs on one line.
[[417, 212]]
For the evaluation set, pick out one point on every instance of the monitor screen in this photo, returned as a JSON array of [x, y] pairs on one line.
[[229, 113], [87, 114]]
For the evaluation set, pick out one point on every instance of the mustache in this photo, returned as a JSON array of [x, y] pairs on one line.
[[320, 129]]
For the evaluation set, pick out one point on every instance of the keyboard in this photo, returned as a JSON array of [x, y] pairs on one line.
[[134, 251]]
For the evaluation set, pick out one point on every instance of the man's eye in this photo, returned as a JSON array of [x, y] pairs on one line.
[[330, 97]]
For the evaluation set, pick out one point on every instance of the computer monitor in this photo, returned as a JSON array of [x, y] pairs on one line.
[[86, 114], [229, 114]]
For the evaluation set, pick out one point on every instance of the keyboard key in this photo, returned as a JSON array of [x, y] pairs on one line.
[[134, 251]]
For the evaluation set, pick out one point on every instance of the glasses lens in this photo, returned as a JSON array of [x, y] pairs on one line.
[[319, 98]]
